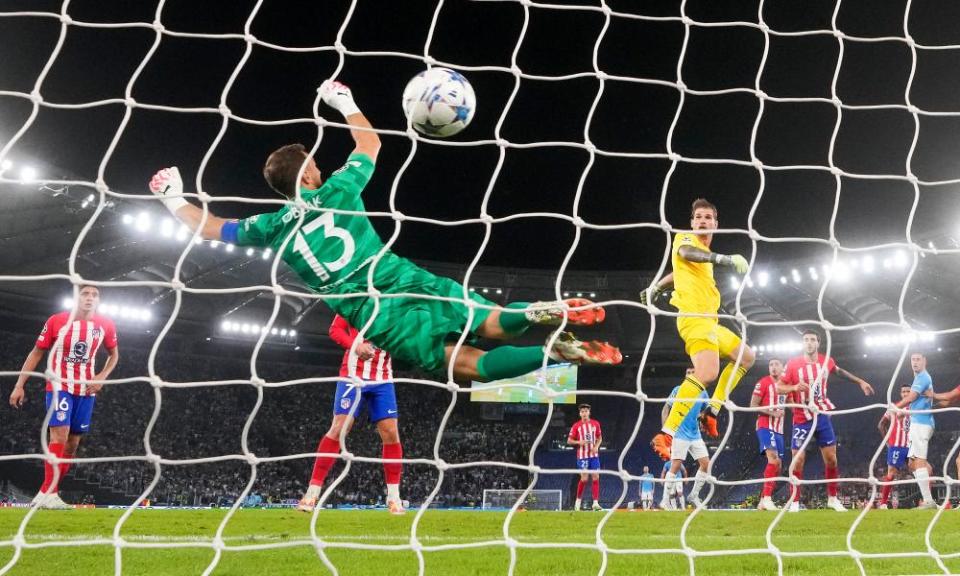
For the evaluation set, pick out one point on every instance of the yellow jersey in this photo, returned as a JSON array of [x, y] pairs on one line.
[[694, 289]]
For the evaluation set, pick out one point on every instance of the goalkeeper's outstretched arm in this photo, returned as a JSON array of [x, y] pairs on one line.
[[339, 97], [699, 255]]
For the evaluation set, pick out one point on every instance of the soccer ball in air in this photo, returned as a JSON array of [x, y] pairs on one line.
[[439, 102]]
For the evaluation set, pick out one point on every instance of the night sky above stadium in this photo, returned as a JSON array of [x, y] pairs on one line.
[[448, 183]]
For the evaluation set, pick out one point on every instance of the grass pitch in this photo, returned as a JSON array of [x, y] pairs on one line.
[[278, 542]]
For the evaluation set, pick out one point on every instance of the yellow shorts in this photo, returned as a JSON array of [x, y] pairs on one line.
[[701, 334]]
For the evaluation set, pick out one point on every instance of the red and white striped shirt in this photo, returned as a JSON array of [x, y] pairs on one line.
[[378, 367], [899, 436], [589, 431], [73, 349], [766, 390], [812, 373]]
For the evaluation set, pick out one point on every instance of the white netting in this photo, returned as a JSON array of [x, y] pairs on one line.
[[219, 544], [499, 498]]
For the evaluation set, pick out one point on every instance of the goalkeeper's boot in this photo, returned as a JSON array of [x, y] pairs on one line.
[[767, 503], [708, 424], [661, 444], [552, 313], [566, 348], [577, 505], [834, 503], [38, 500], [794, 506], [596, 507], [882, 506], [54, 502], [927, 505], [395, 505]]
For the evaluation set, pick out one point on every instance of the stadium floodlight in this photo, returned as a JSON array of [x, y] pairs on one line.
[[267, 253], [127, 219], [182, 233], [867, 264], [749, 282], [734, 283], [274, 331], [899, 259], [593, 294], [245, 328], [931, 245], [249, 251], [296, 347], [68, 303], [226, 325], [28, 174], [566, 294], [166, 228], [214, 244], [783, 279], [6, 165], [763, 278], [292, 334], [486, 290], [198, 240], [813, 273], [230, 247], [796, 276], [888, 263], [868, 341], [146, 315], [143, 222], [283, 332], [499, 291]]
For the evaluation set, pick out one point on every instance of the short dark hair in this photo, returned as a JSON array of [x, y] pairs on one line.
[[814, 332], [282, 168], [582, 406], [87, 285], [704, 203]]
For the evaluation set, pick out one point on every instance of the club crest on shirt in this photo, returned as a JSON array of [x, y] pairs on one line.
[[61, 416], [97, 332], [345, 403]]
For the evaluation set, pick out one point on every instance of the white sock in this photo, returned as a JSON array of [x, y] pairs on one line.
[[669, 485], [698, 483], [313, 491], [923, 481], [393, 491]]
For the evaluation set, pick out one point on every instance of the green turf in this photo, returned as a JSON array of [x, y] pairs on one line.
[[887, 531]]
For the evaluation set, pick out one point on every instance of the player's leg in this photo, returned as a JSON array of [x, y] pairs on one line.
[[703, 460], [80, 418], [893, 464], [740, 355], [827, 441], [797, 460], [346, 395], [518, 316], [60, 405], [509, 361], [381, 401], [581, 464], [701, 344], [771, 444], [919, 444]]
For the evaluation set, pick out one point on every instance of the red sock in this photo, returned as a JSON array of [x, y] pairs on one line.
[[798, 474], [831, 473], [769, 472], [49, 486], [580, 486], [595, 490], [885, 490], [391, 471], [323, 464]]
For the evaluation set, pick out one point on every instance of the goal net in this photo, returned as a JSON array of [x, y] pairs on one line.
[[825, 133], [498, 499]]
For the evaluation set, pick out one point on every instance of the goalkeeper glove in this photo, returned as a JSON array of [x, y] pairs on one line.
[[168, 186], [655, 292], [738, 262], [339, 97]]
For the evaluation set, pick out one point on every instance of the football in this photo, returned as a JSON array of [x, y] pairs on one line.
[[439, 102]]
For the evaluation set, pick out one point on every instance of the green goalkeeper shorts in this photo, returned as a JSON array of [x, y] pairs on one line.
[[413, 330]]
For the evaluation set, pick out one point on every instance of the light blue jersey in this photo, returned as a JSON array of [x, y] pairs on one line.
[[646, 482], [921, 383], [689, 429]]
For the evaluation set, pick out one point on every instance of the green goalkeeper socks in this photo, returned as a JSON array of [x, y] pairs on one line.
[[509, 361], [515, 322]]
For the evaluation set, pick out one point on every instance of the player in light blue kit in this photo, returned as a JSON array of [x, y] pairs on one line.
[[921, 426], [687, 440], [646, 489]]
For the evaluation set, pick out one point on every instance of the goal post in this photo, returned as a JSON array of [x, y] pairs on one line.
[[501, 499]]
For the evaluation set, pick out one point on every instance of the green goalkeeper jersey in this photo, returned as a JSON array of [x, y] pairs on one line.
[[329, 247]]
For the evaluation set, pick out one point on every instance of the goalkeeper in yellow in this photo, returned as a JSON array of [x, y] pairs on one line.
[[696, 297]]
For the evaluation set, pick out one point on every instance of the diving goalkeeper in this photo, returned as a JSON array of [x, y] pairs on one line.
[[333, 252]]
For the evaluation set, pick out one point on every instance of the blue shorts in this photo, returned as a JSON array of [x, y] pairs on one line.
[[380, 399], [72, 410], [588, 463], [770, 440], [897, 456], [824, 432]]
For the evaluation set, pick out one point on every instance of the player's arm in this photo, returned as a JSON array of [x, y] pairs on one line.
[[339, 332], [664, 413], [883, 424], [113, 358], [947, 398], [864, 386], [699, 255], [29, 365], [574, 442], [168, 186], [339, 97], [755, 403], [656, 289], [785, 387]]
